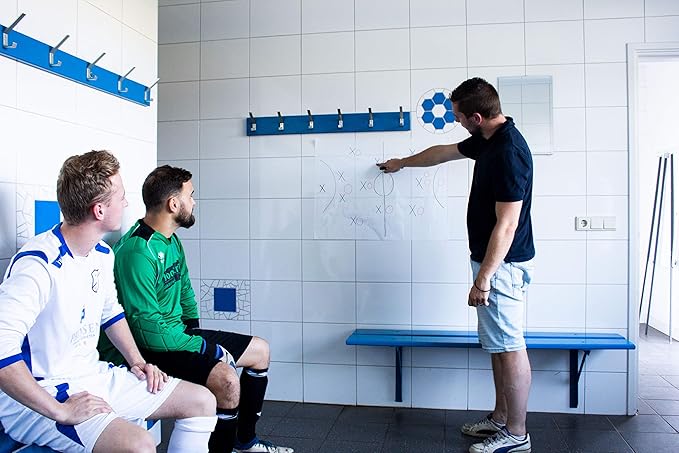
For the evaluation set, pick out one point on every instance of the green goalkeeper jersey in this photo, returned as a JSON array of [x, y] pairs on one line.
[[154, 289]]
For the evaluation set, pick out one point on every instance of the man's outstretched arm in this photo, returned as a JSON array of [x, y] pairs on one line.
[[431, 156]]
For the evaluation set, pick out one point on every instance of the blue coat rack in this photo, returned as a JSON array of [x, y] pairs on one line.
[[323, 124], [32, 52]]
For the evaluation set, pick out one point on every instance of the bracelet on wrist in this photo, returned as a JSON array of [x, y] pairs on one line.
[[482, 290]]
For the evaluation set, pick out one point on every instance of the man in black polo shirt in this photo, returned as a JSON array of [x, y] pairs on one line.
[[501, 244]]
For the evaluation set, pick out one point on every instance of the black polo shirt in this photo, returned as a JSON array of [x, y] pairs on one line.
[[503, 172]]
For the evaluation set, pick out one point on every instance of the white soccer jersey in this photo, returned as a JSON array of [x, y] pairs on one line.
[[52, 305]]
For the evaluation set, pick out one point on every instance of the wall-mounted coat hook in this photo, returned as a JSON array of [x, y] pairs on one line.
[[281, 125], [53, 50], [7, 30], [147, 91], [253, 123], [89, 74], [121, 79], [57, 62], [328, 123]]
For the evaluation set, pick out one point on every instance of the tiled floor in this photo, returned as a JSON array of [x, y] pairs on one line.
[[348, 429]]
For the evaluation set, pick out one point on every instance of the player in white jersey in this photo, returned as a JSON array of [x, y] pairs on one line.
[[57, 293]]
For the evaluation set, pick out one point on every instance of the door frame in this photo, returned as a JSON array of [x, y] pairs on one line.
[[635, 54]]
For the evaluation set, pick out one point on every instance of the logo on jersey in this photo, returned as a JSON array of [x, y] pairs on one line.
[[82, 315], [172, 274], [95, 280], [161, 256]]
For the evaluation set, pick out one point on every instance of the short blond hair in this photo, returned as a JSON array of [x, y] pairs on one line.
[[84, 181]]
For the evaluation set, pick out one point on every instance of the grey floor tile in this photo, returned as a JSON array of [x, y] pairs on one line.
[[583, 422], [641, 424], [548, 440], [672, 379], [412, 446], [595, 442], [419, 416], [400, 432], [659, 393], [664, 407], [267, 425], [277, 408], [350, 447], [652, 380], [673, 420], [318, 411], [643, 408], [306, 428], [366, 432], [653, 442], [363, 414], [540, 421]]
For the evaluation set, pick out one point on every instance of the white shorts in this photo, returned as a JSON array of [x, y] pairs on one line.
[[127, 396]]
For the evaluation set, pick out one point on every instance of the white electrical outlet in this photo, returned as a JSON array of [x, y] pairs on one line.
[[583, 223]]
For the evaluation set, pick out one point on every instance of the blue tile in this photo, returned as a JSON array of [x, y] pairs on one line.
[[225, 299], [47, 215]]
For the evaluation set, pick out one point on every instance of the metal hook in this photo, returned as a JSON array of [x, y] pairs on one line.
[[281, 126], [7, 30], [253, 123], [311, 119], [401, 121], [121, 79], [147, 92], [371, 123], [89, 74], [54, 49], [340, 121]]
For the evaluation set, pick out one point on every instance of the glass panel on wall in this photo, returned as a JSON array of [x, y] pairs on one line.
[[528, 100]]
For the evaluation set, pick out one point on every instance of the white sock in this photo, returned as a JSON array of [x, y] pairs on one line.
[[191, 435]]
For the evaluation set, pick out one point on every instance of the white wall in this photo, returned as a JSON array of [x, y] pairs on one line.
[[221, 59], [44, 118]]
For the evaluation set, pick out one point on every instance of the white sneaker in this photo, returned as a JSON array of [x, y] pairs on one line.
[[263, 446], [485, 427], [502, 442]]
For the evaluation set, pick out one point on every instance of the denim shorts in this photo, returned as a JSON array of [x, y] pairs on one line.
[[501, 322]]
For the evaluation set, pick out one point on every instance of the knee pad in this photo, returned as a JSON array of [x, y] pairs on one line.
[[196, 424]]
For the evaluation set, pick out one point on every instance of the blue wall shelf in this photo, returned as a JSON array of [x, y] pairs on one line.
[[328, 123], [32, 52]]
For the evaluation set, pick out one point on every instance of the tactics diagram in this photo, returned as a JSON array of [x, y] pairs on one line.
[[356, 200]]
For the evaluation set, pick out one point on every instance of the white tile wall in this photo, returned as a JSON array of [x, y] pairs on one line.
[[320, 16], [281, 301], [227, 59], [381, 14], [328, 53], [224, 20], [495, 11], [275, 17], [256, 194]]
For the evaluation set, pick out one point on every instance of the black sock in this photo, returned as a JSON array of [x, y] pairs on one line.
[[252, 389], [223, 438]]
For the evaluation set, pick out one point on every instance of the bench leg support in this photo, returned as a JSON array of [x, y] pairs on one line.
[[575, 373], [399, 374]]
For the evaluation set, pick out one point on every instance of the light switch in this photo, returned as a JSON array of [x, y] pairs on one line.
[[609, 223], [597, 223]]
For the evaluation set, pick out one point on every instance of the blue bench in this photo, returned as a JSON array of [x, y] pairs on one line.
[[572, 342]]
